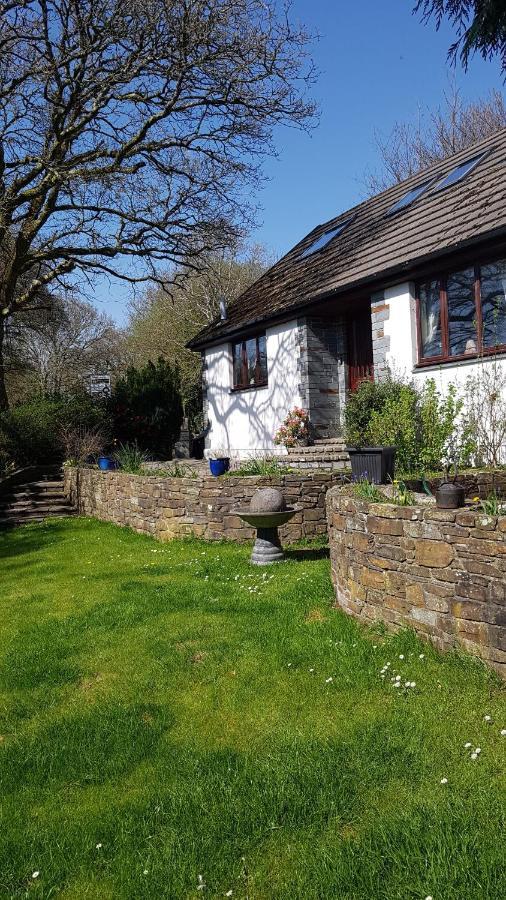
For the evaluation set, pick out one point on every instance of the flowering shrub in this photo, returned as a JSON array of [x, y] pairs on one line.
[[295, 428]]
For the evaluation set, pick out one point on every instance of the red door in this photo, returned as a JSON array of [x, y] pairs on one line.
[[360, 358]]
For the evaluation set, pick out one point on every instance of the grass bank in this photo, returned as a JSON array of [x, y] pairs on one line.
[[176, 724]]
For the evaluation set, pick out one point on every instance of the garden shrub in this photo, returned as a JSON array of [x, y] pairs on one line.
[[423, 424], [147, 408], [369, 396], [398, 424], [33, 432]]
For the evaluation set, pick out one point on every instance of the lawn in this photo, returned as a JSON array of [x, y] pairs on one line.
[[177, 724]]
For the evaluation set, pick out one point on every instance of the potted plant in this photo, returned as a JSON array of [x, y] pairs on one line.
[[219, 461], [106, 462], [294, 432]]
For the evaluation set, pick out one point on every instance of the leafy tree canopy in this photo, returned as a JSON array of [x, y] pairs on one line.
[[480, 24]]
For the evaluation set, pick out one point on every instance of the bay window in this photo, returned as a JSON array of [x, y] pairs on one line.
[[462, 314], [250, 362]]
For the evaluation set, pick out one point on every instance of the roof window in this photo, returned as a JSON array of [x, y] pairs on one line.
[[320, 242], [408, 198], [459, 172]]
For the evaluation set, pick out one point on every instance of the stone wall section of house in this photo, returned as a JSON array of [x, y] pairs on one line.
[[440, 572], [380, 313], [322, 370], [203, 506]]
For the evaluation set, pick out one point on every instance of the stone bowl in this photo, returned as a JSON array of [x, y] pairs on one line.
[[266, 519]]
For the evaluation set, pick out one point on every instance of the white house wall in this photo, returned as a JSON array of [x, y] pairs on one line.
[[244, 422]]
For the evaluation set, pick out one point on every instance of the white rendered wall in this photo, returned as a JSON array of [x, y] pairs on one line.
[[401, 357], [244, 422]]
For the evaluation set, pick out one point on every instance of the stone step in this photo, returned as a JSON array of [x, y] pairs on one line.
[[319, 457], [318, 450], [43, 509], [34, 501]]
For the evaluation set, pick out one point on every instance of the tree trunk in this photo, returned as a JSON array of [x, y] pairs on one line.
[[4, 402]]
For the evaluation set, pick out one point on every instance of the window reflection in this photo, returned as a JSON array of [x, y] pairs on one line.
[[430, 320], [461, 313], [493, 303]]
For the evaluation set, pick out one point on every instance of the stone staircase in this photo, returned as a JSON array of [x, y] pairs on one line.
[[34, 500], [328, 454]]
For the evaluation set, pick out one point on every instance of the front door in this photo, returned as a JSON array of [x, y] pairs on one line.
[[360, 358]]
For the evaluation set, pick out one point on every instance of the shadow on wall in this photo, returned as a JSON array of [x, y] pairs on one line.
[[248, 419]]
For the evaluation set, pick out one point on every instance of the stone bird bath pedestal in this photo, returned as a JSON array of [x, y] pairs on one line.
[[266, 512]]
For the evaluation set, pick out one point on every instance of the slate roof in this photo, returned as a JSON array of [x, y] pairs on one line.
[[374, 246]]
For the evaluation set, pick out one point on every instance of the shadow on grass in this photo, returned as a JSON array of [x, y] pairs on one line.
[[305, 554], [24, 539]]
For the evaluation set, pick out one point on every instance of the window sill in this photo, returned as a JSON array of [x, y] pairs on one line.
[[251, 387], [468, 359]]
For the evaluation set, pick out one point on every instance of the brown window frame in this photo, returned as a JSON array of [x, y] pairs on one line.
[[244, 384], [445, 356]]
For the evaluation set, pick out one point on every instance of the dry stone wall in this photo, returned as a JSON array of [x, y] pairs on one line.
[[202, 506], [441, 572]]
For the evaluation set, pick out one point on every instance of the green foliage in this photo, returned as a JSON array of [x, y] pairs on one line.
[[170, 704], [365, 490], [259, 466], [130, 458], [147, 407], [397, 424], [493, 504], [421, 424], [34, 432], [176, 470], [401, 495], [439, 434], [370, 396]]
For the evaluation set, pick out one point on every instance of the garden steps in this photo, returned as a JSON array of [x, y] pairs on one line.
[[34, 501], [325, 453]]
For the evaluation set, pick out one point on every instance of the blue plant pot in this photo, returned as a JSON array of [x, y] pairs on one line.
[[219, 466], [105, 463]]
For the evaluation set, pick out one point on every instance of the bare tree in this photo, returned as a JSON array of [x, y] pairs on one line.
[[159, 327], [52, 349], [129, 130], [453, 126], [480, 24]]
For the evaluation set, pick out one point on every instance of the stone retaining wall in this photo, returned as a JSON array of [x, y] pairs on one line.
[[201, 506], [441, 572]]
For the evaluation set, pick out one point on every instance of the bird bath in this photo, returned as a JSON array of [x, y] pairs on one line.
[[267, 512]]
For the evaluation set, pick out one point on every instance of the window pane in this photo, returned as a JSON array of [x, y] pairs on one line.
[[430, 320], [458, 172], [461, 313], [251, 353], [493, 303], [408, 198], [237, 364], [262, 357]]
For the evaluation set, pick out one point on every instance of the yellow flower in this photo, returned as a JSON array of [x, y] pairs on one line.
[[476, 499]]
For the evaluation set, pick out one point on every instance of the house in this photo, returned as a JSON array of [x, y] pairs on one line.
[[412, 281]]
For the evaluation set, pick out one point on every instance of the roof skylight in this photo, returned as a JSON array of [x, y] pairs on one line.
[[459, 172], [408, 198], [324, 239]]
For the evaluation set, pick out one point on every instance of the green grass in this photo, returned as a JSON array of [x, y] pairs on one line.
[[172, 705]]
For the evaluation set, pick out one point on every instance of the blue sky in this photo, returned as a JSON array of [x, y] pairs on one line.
[[378, 65]]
